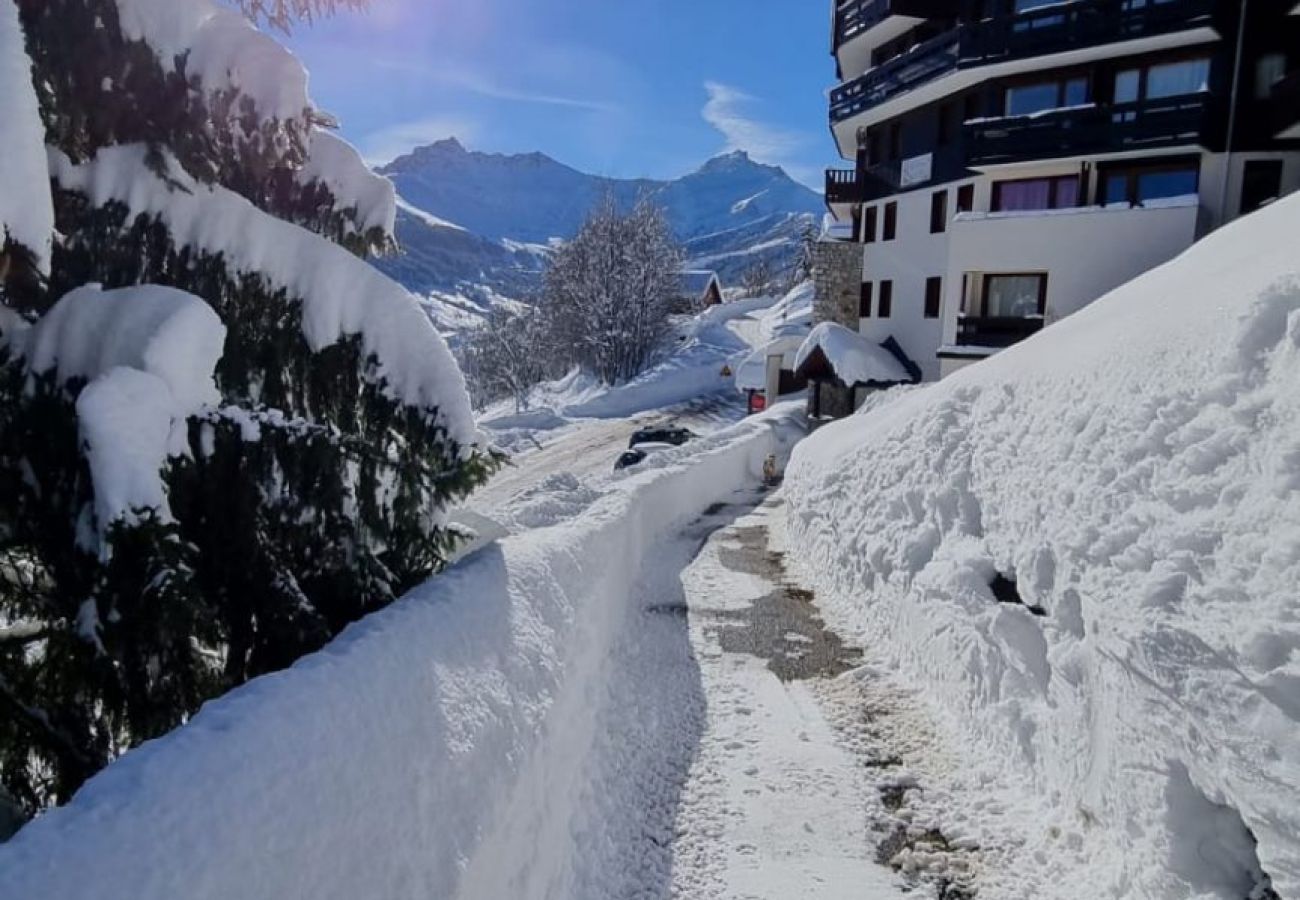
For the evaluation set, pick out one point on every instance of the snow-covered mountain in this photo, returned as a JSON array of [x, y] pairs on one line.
[[475, 226]]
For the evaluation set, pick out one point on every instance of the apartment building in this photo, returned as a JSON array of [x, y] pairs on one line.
[[1014, 160]]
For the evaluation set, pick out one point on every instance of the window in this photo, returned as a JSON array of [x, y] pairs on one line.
[[1137, 185], [947, 123], [1061, 192], [874, 150], [966, 198], [1270, 69], [1176, 79], [1027, 99], [1261, 182], [864, 301], [938, 212], [891, 221], [886, 306], [1014, 296], [895, 140], [971, 107], [933, 297], [869, 226]]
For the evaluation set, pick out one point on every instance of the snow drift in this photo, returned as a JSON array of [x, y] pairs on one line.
[[1135, 471], [440, 748]]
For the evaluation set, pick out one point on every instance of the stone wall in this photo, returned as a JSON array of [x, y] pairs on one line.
[[837, 274]]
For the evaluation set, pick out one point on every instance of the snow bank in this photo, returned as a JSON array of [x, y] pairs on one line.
[[149, 354], [855, 359], [222, 49], [440, 748], [341, 294], [693, 369], [26, 209], [1135, 471]]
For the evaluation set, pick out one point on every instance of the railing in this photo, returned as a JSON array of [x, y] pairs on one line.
[[921, 64], [995, 331], [1075, 131], [843, 186], [1038, 32], [1085, 23], [857, 16]]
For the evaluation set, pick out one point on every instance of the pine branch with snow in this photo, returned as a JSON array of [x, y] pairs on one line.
[[223, 435]]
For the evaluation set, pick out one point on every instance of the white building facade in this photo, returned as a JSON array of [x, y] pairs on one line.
[[1017, 159]]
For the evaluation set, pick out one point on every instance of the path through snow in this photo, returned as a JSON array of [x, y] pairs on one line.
[[775, 805]]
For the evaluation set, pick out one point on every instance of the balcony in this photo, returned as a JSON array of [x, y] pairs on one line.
[[857, 17], [844, 186], [1039, 32], [996, 331], [1172, 122], [921, 64]]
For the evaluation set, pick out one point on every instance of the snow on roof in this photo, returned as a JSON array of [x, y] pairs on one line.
[[1135, 470], [855, 359], [149, 354], [223, 49], [333, 162], [26, 209], [341, 294], [695, 282]]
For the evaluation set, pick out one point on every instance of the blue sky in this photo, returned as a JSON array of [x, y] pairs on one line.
[[613, 87]]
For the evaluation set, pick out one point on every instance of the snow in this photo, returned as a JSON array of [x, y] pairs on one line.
[[26, 208], [223, 50], [694, 368], [855, 359], [428, 218], [336, 164], [774, 804], [751, 375], [341, 295], [148, 354], [452, 745], [1134, 470]]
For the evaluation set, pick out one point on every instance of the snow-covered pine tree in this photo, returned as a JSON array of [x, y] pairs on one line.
[[607, 295], [223, 435]]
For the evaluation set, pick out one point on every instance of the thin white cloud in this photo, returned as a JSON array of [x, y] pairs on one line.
[[385, 145], [727, 110], [467, 79]]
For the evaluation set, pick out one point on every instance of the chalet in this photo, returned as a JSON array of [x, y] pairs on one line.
[[697, 290]]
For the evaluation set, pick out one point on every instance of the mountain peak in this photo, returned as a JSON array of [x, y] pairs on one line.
[[737, 161]]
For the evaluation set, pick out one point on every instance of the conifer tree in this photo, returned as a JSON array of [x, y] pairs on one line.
[[204, 479]]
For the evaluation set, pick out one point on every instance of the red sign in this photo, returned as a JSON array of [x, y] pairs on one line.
[[757, 402]]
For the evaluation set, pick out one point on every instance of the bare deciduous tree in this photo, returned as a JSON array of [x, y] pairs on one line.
[[506, 357], [607, 294]]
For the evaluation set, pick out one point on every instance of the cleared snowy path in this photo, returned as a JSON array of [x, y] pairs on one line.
[[774, 806]]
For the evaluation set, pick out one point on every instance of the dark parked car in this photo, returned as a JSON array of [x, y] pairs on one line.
[[661, 434], [628, 459]]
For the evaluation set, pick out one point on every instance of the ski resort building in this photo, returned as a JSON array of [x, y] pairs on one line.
[[1014, 160]]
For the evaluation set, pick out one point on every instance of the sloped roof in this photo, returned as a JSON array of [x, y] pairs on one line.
[[696, 281], [852, 358]]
